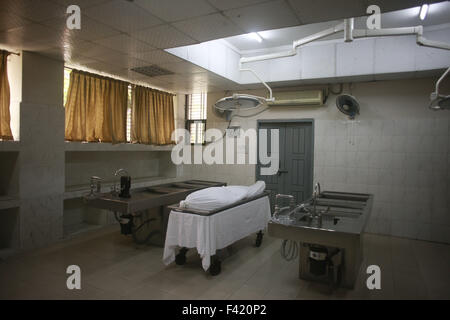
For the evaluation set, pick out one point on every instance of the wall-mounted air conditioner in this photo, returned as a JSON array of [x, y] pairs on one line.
[[310, 98]]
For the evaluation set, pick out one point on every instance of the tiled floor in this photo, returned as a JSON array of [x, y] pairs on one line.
[[114, 268]]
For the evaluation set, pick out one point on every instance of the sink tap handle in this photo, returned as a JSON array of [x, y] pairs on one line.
[[120, 171]]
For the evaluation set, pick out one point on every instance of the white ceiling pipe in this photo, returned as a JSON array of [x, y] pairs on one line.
[[295, 45], [319, 35], [269, 56], [348, 29], [366, 33], [436, 94], [271, 98], [430, 43]]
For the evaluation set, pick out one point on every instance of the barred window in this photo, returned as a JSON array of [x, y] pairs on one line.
[[196, 109]]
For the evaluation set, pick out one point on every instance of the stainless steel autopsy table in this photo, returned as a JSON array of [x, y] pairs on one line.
[[143, 215]]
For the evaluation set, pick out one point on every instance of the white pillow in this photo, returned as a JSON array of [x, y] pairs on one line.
[[214, 198], [256, 189]]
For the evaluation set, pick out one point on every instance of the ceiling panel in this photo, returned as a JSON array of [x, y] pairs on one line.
[[163, 37], [157, 57], [10, 21], [103, 67], [175, 10], [122, 15], [208, 27], [100, 53], [81, 3], [125, 44], [264, 16], [34, 10], [389, 5], [66, 49], [182, 67], [30, 33], [90, 28], [232, 4], [310, 11]]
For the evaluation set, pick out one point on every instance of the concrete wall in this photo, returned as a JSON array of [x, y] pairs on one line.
[[41, 179], [401, 155]]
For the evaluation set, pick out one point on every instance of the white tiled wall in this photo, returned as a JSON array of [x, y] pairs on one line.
[[403, 162], [400, 154]]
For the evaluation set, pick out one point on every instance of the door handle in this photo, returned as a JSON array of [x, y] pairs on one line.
[[282, 171]]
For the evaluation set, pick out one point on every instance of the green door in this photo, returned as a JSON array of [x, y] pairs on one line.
[[294, 176]]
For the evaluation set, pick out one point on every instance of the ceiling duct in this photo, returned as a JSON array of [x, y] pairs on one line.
[[152, 71]]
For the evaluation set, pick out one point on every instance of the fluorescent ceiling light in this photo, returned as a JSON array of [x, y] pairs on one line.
[[423, 11], [254, 36]]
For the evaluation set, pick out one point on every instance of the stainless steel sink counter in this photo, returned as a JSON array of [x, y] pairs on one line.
[[332, 219]]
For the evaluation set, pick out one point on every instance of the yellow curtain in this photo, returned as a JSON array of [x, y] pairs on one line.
[[5, 116], [152, 116], [96, 108]]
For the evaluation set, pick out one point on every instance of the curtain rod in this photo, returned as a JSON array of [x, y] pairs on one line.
[[9, 52]]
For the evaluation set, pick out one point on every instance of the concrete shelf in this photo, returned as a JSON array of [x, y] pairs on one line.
[[79, 191], [9, 146], [8, 252], [8, 202], [9, 229], [94, 146]]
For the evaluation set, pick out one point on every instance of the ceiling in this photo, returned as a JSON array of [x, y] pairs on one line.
[[117, 35], [438, 13]]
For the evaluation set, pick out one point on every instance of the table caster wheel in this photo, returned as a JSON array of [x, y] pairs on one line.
[[259, 237], [215, 268], [180, 258]]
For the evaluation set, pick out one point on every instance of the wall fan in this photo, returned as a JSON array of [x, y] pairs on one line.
[[348, 105]]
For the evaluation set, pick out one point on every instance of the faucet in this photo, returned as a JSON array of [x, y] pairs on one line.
[[120, 171], [314, 213], [277, 207], [117, 173], [95, 185], [316, 191]]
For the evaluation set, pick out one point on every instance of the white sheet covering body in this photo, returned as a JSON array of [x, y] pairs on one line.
[[210, 233]]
